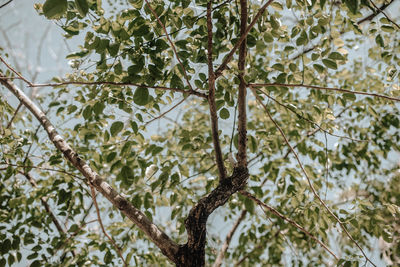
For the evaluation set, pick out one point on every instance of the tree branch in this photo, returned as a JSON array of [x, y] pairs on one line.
[[191, 92], [283, 217], [242, 118], [192, 253], [93, 194], [308, 177], [229, 57], [373, 15], [324, 88], [224, 248], [379, 10], [158, 237], [211, 98]]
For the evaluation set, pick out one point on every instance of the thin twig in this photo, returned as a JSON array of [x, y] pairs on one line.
[[308, 178], [6, 3], [229, 57], [228, 239], [381, 11], [164, 113], [310, 121], [16, 72], [14, 115], [324, 88], [171, 43], [211, 98], [374, 14], [42, 168], [283, 217], [191, 92], [92, 190]]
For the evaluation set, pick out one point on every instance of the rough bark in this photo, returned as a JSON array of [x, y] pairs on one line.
[[193, 252], [242, 119]]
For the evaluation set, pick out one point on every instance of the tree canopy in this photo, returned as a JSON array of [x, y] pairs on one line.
[[246, 133]]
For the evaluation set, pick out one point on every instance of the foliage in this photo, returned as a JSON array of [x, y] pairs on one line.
[[126, 79]]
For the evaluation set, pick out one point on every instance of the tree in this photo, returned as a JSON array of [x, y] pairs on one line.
[[280, 108]]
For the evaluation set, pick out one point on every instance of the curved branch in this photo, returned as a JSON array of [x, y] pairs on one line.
[[192, 253], [325, 88], [158, 237]]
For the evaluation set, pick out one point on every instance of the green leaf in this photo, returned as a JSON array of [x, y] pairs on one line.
[[116, 127], [98, 108], [176, 82], [352, 5], [224, 113], [126, 174], [278, 67], [108, 257], [82, 7], [319, 68], [330, 64], [141, 96], [54, 8], [379, 40], [336, 56], [249, 205]]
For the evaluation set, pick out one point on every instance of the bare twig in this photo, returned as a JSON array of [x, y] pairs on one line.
[[308, 178], [171, 43], [16, 72], [224, 248], [283, 217], [211, 98], [6, 3], [179, 90], [324, 88], [379, 10], [168, 247], [164, 113], [229, 57], [242, 118], [41, 168], [374, 14], [15, 115], [93, 194]]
